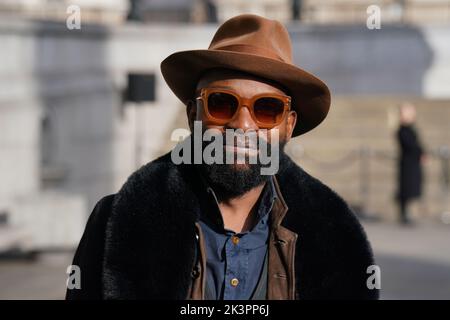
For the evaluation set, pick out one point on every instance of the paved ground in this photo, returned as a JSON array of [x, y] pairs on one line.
[[44, 278], [414, 262]]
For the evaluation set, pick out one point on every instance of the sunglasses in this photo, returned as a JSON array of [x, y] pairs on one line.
[[221, 106]]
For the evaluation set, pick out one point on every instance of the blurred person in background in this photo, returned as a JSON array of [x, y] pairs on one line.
[[411, 157]]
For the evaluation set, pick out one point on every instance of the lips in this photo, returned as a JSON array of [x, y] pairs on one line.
[[241, 150], [247, 146], [243, 145]]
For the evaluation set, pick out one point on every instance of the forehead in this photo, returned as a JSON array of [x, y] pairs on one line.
[[242, 83]]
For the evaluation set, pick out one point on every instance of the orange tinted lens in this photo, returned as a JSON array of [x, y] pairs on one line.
[[268, 110], [222, 105]]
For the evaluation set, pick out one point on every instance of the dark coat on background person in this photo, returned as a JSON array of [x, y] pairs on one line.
[[409, 165], [140, 243]]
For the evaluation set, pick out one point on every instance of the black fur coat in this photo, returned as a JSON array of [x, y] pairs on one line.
[[139, 243]]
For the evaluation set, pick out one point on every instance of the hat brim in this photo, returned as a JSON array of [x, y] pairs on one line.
[[310, 97]]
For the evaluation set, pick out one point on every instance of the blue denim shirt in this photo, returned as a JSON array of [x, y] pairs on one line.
[[234, 261]]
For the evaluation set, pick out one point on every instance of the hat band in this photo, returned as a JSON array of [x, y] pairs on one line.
[[245, 48]]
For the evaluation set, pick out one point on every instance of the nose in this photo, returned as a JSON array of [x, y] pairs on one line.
[[243, 120]]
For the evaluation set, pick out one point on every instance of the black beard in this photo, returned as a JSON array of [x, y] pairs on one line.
[[233, 180]]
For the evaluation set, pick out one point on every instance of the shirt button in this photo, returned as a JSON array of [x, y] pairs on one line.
[[235, 240], [234, 282]]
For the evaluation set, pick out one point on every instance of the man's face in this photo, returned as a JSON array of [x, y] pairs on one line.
[[237, 178], [245, 86]]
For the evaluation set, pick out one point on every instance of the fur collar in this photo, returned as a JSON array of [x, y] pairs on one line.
[[150, 235]]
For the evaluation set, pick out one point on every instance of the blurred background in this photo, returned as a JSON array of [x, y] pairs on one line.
[[83, 104]]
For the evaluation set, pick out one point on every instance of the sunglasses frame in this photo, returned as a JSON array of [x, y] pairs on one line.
[[243, 102]]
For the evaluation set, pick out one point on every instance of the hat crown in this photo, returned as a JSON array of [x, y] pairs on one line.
[[253, 34]]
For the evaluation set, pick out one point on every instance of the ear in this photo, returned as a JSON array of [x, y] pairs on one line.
[[290, 125], [191, 112]]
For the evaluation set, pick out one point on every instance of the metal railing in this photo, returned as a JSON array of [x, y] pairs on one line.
[[365, 156]]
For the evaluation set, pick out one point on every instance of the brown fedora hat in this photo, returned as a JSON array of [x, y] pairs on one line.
[[258, 46]]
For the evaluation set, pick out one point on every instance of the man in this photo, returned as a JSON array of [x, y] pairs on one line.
[[219, 230]]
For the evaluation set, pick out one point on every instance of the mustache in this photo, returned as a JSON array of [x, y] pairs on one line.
[[243, 141]]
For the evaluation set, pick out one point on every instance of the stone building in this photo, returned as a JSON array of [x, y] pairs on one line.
[[69, 134]]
